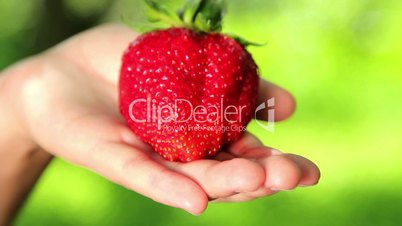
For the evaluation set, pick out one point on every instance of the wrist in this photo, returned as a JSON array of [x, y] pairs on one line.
[[13, 133], [21, 160]]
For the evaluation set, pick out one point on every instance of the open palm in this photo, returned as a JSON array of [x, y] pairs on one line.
[[69, 106]]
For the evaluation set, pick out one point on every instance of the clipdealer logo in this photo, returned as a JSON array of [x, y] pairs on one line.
[[212, 115]]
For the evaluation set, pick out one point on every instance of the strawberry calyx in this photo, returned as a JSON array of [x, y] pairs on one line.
[[203, 16], [198, 15]]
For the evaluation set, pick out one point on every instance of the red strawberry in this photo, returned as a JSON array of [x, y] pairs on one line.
[[188, 91]]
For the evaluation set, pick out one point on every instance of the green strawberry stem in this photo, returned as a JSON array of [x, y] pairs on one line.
[[204, 16]]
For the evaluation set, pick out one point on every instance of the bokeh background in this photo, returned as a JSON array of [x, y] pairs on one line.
[[343, 61]]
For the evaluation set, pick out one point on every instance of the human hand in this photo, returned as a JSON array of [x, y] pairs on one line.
[[67, 104]]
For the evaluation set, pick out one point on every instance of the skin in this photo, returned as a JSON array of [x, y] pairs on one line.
[[64, 103]]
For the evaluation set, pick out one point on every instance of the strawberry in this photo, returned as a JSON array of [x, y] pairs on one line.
[[188, 90]]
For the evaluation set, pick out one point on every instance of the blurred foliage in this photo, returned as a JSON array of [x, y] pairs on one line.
[[341, 59]]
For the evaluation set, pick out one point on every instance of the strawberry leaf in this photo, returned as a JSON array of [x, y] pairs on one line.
[[245, 42], [188, 12], [209, 15], [158, 13], [139, 26]]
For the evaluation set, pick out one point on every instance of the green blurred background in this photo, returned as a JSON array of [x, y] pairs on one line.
[[343, 61]]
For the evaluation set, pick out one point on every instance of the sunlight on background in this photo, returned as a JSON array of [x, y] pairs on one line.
[[343, 62]]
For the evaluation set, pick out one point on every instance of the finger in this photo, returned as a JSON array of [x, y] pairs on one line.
[[223, 156], [234, 198], [222, 179], [262, 192], [250, 147], [110, 149], [247, 147], [304, 171], [281, 173], [246, 142], [285, 103], [135, 170], [245, 197], [310, 171], [241, 149]]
